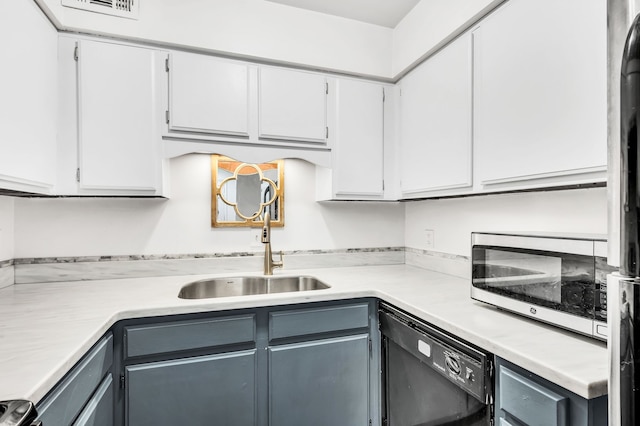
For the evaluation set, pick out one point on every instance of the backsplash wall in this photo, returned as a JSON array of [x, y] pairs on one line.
[[453, 220], [181, 225]]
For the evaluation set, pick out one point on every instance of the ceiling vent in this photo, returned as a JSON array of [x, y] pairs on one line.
[[122, 8]]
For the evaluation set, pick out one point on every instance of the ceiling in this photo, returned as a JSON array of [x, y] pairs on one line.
[[386, 13]]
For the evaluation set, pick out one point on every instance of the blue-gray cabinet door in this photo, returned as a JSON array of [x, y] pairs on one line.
[[205, 390], [99, 409], [321, 382]]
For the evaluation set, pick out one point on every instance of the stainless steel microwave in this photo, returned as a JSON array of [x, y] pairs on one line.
[[554, 278]]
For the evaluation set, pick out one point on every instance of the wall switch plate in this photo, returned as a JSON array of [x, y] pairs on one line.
[[429, 238]]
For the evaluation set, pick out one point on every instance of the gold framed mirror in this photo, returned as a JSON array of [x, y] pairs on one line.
[[242, 192]]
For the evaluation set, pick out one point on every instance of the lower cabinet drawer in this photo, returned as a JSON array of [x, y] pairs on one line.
[[187, 335], [531, 403], [63, 405], [318, 320]]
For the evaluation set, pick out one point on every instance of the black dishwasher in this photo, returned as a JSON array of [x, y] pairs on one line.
[[430, 378]]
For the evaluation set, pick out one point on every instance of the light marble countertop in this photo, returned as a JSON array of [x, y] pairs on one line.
[[46, 328]]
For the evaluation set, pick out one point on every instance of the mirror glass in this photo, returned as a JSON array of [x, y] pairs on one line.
[[242, 192]]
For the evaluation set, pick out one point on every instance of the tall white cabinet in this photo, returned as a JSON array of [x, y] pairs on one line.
[[436, 123], [358, 152], [109, 140], [28, 109], [540, 93]]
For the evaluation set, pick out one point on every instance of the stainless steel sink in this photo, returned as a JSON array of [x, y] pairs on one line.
[[246, 286]]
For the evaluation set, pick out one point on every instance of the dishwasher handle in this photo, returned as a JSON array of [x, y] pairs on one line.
[[18, 412]]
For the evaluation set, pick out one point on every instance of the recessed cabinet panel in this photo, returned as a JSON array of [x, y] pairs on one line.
[[176, 336], [300, 322], [28, 86], [541, 90], [208, 95], [322, 382], [205, 390], [99, 409], [358, 149], [118, 117], [292, 105], [67, 400], [436, 120]]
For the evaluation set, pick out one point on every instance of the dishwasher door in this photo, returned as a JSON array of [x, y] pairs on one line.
[[429, 381]]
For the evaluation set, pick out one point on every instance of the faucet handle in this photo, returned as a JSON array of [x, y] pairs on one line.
[[279, 263]]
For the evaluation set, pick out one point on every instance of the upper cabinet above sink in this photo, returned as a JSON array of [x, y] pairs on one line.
[[257, 113], [208, 95], [292, 105]]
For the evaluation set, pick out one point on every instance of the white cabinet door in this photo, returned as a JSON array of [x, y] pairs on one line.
[[292, 105], [436, 122], [541, 90], [358, 166], [208, 95], [28, 87], [119, 137]]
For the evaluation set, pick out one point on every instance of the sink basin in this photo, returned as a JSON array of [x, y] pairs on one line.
[[247, 286]]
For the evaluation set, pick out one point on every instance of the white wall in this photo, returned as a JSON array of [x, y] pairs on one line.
[[181, 225], [6, 228], [453, 220], [428, 23], [254, 28]]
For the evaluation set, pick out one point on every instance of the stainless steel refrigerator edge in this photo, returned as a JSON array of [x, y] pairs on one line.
[[623, 289]]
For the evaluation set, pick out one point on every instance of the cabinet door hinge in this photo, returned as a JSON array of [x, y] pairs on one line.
[[122, 381], [370, 346], [370, 422], [326, 88], [167, 116], [384, 98], [383, 184], [75, 53], [166, 64], [327, 133], [78, 174]]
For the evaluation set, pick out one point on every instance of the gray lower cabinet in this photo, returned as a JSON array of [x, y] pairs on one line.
[[99, 409], [289, 365], [308, 364], [203, 390], [524, 399], [320, 382], [81, 389]]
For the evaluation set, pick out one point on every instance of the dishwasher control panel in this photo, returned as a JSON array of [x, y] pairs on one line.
[[458, 367]]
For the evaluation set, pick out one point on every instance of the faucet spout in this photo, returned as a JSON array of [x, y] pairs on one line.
[[269, 263]]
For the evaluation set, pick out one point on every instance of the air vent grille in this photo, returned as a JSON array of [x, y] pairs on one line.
[[121, 8]]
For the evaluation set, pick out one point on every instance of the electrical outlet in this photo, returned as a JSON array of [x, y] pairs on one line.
[[428, 238], [256, 238]]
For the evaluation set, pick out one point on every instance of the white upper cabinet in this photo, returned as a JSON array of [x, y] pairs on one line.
[[118, 119], [436, 123], [540, 93], [28, 110], [358, 151], [292, 105], [208, 95]]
